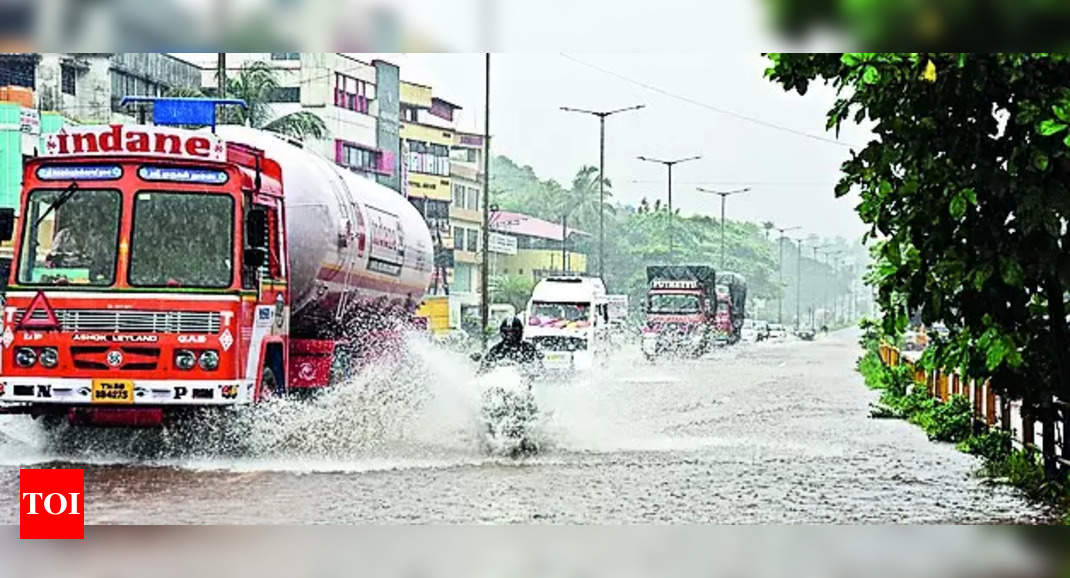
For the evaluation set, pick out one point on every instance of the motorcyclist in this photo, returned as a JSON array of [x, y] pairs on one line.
[[512, 348]]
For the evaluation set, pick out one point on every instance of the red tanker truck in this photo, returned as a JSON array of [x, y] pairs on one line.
[[158, 270]]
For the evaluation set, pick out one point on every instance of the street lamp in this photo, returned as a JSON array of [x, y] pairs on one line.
[[724, 195], [816, 249], [601, 177], [669, 165], [798, 285], [780, 294]]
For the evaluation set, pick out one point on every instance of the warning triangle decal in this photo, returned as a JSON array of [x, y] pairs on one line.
[[38, 306]]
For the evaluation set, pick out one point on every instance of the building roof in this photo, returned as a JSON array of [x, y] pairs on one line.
[[528, 226]]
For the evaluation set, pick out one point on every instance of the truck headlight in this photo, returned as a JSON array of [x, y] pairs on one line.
[[209, 360], [25, 357], [184, 359], [49, 357]]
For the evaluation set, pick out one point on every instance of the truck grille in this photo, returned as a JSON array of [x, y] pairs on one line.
[[95, 320]]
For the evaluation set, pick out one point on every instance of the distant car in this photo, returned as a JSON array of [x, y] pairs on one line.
[[749, 332], [777, 331]]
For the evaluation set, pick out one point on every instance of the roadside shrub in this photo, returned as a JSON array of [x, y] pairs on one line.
[[946, 422], [992, 445]]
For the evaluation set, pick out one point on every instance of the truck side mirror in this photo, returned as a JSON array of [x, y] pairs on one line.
[[7, 224], [256, 227], [254, 257]]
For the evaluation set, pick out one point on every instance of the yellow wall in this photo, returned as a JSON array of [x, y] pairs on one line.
[[415, 94], [430, 187], [437, 311], [530, 260], [430, 134]]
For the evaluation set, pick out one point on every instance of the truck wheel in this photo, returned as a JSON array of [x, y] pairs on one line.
[[269, 384]]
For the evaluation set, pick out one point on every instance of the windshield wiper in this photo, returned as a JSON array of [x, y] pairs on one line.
[[59, 202]]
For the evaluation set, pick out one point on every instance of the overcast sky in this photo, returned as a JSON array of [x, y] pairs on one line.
[[791, 175]]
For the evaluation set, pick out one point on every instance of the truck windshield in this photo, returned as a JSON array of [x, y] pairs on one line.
[[674, 303], [544, 313], [182, 240], [70, 237]]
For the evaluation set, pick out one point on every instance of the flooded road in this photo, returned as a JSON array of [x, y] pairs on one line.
[[758, 433]]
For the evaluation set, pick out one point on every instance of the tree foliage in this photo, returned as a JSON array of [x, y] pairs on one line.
[[965, 184], [256, 83], [637, 236]]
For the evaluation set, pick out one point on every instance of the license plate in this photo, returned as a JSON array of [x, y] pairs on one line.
[[113, 391], [557, 359]]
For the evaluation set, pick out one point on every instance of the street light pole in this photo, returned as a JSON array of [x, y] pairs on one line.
[[816, 249], [484, 273], [798, 287], [669, 165], [724, 195], [602, 177], [780, 294]]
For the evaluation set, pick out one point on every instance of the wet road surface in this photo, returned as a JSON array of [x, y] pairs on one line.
[[758, 433]]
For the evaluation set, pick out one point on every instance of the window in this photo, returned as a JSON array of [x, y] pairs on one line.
[[473, 240], [359, 158], [182, 240], [458, 238], [352, 93], [462, 278], [409, 114], [465, 197], [68, 79], [71, 238], [431, 159], [285, 94], [465, 154], [286, 56]]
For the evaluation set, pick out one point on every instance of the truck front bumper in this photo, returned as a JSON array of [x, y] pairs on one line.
[[108, 392]]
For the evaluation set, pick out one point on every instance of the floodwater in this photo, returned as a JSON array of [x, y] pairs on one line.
[[756, 433]]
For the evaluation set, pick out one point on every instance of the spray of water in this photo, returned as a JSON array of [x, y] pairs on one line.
[[423, 411]]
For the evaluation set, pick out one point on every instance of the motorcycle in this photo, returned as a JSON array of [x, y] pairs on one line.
[[508, 412]]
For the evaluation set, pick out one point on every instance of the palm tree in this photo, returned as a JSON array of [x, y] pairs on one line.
[[582, 202], [255, 83]]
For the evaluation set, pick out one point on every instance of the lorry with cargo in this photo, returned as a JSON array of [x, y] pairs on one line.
[[158, 269], [686, 312]]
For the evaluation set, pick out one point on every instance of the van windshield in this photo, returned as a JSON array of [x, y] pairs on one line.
[[559, 314]]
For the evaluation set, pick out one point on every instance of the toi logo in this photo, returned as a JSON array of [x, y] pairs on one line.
[[51, 504]]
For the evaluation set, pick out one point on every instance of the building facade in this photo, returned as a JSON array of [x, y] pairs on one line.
[[542, 247]]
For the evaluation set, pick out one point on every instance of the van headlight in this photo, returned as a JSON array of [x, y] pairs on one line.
[[209, 360], [185, 360], [25, 357], [49, 357]]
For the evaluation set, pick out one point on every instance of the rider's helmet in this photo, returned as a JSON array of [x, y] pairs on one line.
[[512, 330]]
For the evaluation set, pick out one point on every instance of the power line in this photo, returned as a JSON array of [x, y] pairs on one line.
[[744, 182], [705, 105]]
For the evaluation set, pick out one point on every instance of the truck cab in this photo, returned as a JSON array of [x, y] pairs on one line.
[[680, 318]]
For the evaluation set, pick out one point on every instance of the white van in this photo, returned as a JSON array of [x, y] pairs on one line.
[[567, 319]]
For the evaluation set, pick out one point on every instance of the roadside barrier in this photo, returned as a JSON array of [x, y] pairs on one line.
[[1040, 425]]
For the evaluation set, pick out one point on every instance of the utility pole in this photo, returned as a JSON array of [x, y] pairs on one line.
[[484, 273], [816, 249], [602, 177], [669, 165], [221, 73], [724, 195], [780, 294], [798, 287]]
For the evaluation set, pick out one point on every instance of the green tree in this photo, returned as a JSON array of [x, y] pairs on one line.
[[256, 83], [514, 290], [966, 186]]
